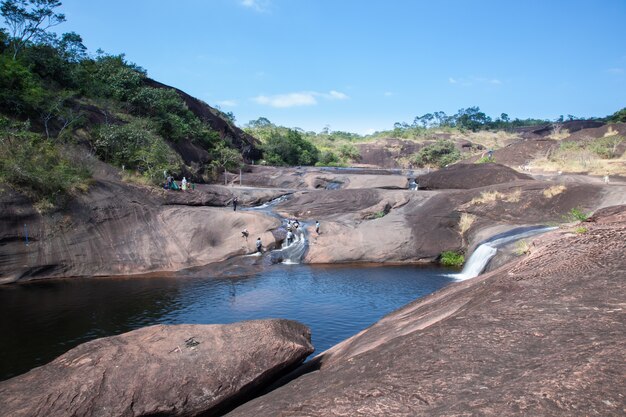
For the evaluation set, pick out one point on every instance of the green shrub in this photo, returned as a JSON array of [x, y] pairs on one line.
[[606, 147], [576, 214], [580, 230], [439, 154], [349, 152], [36, 166], [135, 146], [451, 259], [486, 160], [379, 214], [328, 158]]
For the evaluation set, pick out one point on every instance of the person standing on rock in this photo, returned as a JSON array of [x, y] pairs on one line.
[[259, 245], [317, 227], [235, 202], [289, 237]]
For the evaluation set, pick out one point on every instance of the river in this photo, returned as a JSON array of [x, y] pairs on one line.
[[41, 320]]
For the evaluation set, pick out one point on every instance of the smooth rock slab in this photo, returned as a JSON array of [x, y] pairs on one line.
[[166, 370]]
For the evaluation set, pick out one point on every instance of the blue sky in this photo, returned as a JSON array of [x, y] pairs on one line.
[[362, 65]]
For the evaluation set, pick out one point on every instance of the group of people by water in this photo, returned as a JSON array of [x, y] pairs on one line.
[[171, 184]]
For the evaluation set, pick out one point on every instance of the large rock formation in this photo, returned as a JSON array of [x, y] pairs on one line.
[[178, 370], [465, 176], [541, 336], [118, 229]]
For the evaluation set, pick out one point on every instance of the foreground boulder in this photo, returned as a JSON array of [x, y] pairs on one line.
[[165, 370], [541, 336]]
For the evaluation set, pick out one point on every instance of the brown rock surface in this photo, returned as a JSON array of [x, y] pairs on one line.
[[119, 228], [465, 176], [541, 336], [178, 370]]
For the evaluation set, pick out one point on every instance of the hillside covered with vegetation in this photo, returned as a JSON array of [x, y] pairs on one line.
[[62, 109], [60, 106]]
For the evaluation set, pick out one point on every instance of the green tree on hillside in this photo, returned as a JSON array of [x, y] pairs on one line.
[[289, 149], [28, 20], [618, 117]]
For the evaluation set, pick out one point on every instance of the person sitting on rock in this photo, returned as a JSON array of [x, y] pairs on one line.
[[259, 245], [244, 233]]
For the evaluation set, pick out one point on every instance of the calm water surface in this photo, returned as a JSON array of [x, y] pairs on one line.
[[40, 321]]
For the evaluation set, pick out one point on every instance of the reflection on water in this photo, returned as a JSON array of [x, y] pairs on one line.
[[40, 321]]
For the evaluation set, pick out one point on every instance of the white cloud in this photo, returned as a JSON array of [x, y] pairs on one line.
[[304, 98], [336, 95], [287, 100], [227, 103], [256, 5], [474, 80], [388, 94]]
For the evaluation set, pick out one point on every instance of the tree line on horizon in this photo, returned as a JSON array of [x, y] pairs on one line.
[[54, 95]]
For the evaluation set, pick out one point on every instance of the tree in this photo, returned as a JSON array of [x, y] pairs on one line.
[[618, 117], [289, 148], [28, 20], [259, 123], [472, 118]]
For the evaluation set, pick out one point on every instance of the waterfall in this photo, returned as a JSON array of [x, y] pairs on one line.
[[292, 253], [488, 249], [287, 254]]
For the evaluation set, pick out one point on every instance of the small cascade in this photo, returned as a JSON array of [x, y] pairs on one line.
[[268, 205], [477, 262], [488, 249], [292, 253], [288, 253]]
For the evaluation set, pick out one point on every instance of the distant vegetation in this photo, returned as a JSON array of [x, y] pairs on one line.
[[60, 103], [438, 154]]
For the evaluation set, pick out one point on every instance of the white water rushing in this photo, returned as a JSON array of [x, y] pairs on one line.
[[484, 252]]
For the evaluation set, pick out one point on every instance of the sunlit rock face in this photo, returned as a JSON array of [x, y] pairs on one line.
[[177, 370], [543, 335]]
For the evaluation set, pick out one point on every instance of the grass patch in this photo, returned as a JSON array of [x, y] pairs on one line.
[[580, 230], [554, 190], [465, 222], [492, 196], [522, 247], [451, 259], [596, 156]]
